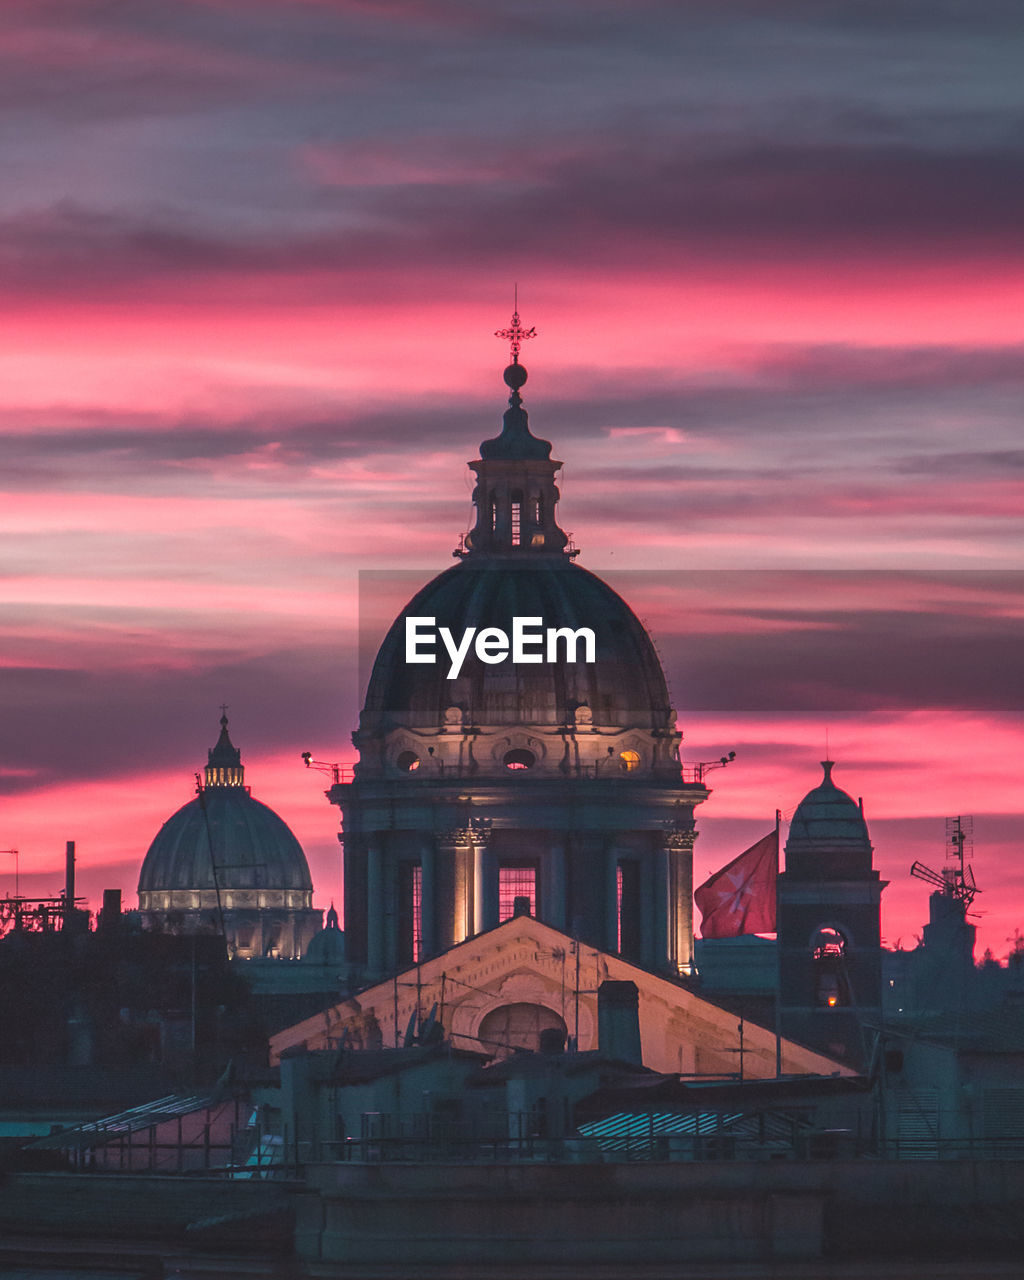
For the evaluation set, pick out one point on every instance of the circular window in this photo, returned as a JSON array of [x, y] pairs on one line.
[[629, 760], [408, 761], [519, 758]]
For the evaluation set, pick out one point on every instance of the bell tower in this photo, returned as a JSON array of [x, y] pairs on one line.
[[829, 925]]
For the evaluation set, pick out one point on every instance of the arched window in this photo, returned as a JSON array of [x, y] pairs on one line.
[[517, 1026], [831, 978], [629, 761], [517, 516]]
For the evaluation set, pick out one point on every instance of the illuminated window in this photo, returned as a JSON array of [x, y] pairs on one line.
[[408, 761], [410, 913], [519, 759], [516, 880], [494, 512], [629, 760], [517, 517], [538, 510]]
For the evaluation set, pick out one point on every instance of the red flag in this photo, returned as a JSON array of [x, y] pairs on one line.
[[741, 897]]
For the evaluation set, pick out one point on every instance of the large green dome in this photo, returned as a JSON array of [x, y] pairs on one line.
[[252, 846]]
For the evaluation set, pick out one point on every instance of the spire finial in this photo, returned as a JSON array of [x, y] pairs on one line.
[[223, 715], [515, 334]]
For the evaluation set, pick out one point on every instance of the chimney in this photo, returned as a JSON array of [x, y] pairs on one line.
[[110, 917], [552, 1040], [69, 880], [618, 1021]]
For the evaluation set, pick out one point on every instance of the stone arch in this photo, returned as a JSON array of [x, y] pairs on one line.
[[508, 1027]]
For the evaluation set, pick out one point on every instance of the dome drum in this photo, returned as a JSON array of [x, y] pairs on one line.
[[415, 760]]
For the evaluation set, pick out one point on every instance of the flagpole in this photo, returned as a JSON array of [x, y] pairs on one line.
[[778, 959]]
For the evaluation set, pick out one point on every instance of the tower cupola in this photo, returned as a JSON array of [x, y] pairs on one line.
[[224, 761], [515, 494]]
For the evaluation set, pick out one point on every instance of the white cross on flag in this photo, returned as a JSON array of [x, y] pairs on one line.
[[741, 897]]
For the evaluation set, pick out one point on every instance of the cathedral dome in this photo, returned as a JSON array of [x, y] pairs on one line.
[[517, 745], [252, 846], [623, 687], [573, 684]]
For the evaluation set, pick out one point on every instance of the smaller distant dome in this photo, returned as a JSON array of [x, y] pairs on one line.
[[828, 830], [253, 847], [327, 947]]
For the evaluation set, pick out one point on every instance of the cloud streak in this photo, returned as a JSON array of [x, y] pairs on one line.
[[252, 255]]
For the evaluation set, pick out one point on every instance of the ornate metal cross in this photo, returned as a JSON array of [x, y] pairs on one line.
[[515, 334]]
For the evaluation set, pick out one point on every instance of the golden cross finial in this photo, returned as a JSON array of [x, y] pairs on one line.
[[515, 334]]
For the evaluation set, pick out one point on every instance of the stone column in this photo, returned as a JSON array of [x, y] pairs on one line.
[[428, 899], [649, 913], [663, 941], [679, 849], [452, 846], [389, 883], [611, 896], [485, 878], [374, 910], [555, 879]]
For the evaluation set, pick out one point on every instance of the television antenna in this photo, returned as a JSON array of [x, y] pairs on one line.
[[956, 879]]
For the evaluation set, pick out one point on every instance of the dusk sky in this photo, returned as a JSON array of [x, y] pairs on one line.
[[252, 257]]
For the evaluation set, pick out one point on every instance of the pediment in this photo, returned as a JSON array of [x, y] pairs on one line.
[[525, 962]]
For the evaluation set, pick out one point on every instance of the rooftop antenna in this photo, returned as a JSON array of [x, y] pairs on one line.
[[956, 879]]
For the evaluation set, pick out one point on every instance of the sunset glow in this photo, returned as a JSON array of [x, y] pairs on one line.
[[251, 261]]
